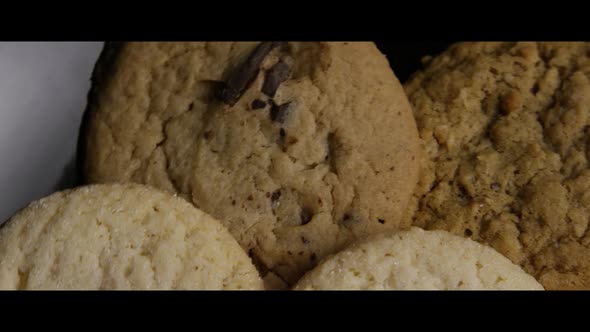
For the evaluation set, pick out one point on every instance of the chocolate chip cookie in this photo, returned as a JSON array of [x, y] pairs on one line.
[[298, 148]]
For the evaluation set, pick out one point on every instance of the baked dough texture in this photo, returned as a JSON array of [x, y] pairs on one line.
[[418, 260], [120, 237], [505, 127]]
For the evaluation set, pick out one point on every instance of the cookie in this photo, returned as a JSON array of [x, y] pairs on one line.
[[418, 260], [298, 148], [506, 129], [120, 237]]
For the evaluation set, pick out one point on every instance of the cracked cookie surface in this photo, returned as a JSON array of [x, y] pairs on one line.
[[298, 148], [120, 237], [506, 130], [418, 260]]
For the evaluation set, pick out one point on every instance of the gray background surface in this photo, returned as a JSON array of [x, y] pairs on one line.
[[43, 88]]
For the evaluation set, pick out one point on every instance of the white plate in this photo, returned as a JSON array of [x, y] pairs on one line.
[[43, 88]]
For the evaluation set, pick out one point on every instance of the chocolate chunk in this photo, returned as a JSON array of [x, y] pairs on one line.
[[306, 216], [274, 77], [250, 197], [468, 232], [279, 113], [381, 221], [258, 104], [245, 74], [495, 186], [275, 196]]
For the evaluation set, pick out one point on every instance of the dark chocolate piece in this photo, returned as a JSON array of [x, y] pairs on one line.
[[279, 113], [275, 196], [274, 77], [258, 104], [245, 74]]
